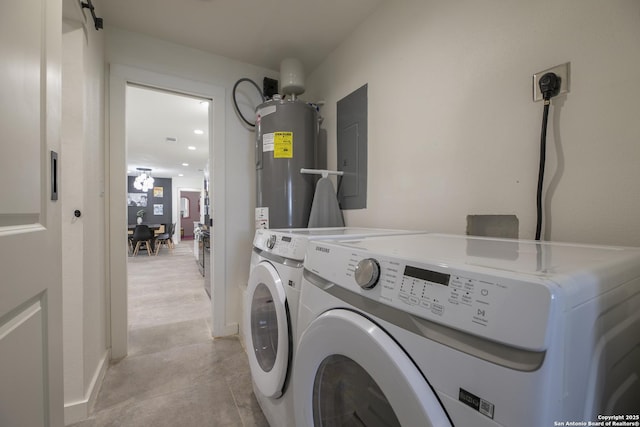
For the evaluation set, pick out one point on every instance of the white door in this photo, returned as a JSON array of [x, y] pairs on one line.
[[267, 335], [31, 387], [350, 372]]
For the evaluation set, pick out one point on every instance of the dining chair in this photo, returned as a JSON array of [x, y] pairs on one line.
[[142, 234], [130, 241], [166, 239]]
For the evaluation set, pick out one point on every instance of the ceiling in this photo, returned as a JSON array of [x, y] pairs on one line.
[[160, 129], [258, 32]]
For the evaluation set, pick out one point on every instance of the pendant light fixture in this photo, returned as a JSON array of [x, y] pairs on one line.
[[144, 180]]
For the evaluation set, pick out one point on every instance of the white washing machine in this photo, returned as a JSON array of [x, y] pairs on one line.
[[441, 330], [270, 310]]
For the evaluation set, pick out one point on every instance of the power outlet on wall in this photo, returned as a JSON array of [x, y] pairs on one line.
[[561, 71]]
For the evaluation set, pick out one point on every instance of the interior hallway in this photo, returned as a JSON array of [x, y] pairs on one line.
[[175, 374]]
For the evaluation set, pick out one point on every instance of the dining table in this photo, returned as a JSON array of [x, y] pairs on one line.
[[154, 227]]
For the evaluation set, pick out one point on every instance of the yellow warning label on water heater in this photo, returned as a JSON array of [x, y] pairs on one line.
[[283, 145]]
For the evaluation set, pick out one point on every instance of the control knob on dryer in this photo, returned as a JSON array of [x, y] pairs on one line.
[[367, 273], [272, 241]]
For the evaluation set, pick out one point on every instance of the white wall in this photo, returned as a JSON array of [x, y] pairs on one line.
[[71, 198], [93, 210], [135, 50], [452, 127], [82, 243]]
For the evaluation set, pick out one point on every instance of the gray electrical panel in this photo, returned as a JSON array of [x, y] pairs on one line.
[[352, 149]]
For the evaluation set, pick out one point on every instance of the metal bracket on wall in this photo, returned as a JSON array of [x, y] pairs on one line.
[[96, 21]]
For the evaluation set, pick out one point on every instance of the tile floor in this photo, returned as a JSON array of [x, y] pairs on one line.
[[175, 373]]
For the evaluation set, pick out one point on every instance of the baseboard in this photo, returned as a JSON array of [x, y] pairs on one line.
[[241, 325], [228, 329], [80, 410]]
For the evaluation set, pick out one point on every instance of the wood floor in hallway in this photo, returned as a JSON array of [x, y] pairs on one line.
[[175, 374]]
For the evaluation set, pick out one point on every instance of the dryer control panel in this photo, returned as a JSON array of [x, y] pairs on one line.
[[493, 304], [436, 292]]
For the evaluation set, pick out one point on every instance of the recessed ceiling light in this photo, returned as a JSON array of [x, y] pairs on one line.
[[180, 174], [198, 132], [191, 147], [185, 164]]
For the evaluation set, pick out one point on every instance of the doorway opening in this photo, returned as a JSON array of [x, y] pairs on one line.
[[167, 136], [190, 211], [122, 79]]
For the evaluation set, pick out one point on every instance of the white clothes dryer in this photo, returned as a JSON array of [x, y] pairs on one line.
[[270, 310], [441, 330]]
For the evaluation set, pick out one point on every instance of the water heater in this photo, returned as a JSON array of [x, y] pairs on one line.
[[286, 141]]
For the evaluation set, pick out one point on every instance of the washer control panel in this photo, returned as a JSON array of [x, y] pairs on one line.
[[495, 304], [283, 244]]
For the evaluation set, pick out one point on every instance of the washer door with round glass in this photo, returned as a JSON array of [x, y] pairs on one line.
[[350, 372], [267, 330]]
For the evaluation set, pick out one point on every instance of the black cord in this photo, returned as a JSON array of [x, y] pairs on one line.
[[339, 178], [549, 86], [543, 151], [235, 102]]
